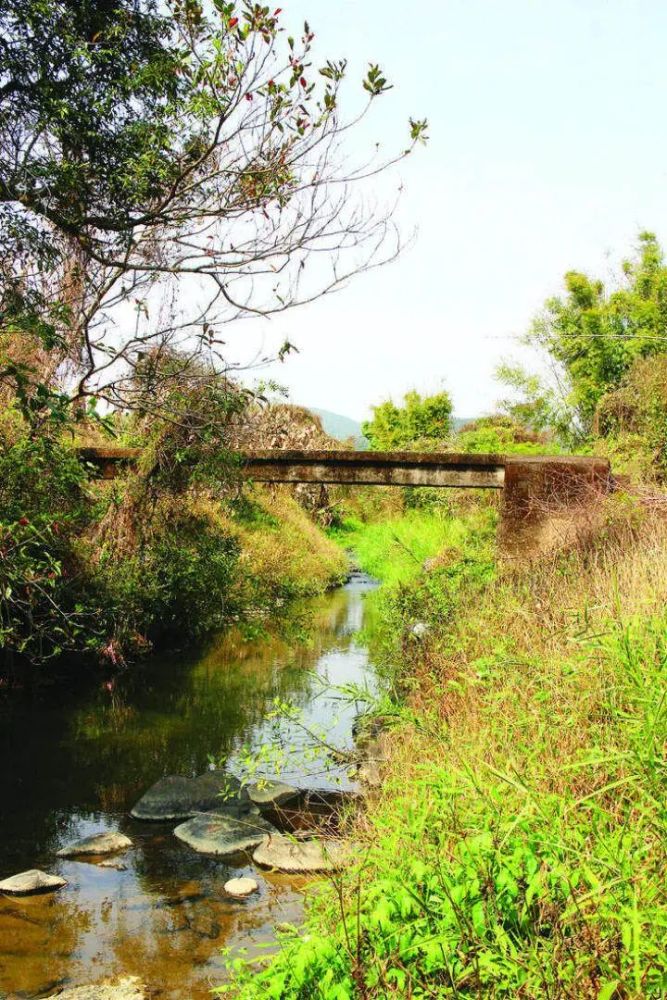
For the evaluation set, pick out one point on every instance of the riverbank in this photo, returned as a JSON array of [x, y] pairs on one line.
[[516, 847]]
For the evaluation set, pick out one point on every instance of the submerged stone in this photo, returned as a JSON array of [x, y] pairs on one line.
[[286, 855], [128, 988], [178, 797], [241, 887], [97, 843], [224, 831], [31, 881]]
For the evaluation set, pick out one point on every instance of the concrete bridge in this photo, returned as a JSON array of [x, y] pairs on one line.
[[536, 489]]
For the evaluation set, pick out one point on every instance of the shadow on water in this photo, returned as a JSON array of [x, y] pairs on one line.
[[75, 759]]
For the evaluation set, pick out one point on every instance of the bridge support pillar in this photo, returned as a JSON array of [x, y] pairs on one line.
[[548, 502]]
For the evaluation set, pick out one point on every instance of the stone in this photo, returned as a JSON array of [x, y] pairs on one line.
[[241, 887], [271, 793], [98, 843], [178, 797], [109, 863], [224, 831], [30, 882], [316, 811], [128, 988], [285, 855], [369, 775], [420, 629]]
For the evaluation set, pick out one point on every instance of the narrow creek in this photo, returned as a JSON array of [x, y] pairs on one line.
[[74, 760]]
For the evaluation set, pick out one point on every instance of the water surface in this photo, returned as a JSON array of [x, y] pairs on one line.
[[76, 758]]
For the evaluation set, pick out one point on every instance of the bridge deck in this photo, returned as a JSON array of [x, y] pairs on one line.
[[368, 468], [389, 468]]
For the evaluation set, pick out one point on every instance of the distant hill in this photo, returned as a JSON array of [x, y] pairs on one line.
[[340, 427], [459, 422], [343, 428]]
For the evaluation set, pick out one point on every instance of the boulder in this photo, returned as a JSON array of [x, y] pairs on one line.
[[177, 797], [315, 811], [97, 843], [239, 888], [32, 881], [224, 831], [286, 855], [128, 988], [271, 793]]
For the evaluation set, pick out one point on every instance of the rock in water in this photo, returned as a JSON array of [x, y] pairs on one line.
[[32, 881], [224, 831], [271, 793], [97, 843], [177, 797], [241, 887], [287, 855], [125, 989]]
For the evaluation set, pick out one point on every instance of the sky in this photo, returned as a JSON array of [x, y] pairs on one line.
[[547, 153]]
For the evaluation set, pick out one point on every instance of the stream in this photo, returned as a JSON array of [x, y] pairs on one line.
[[76, 758]]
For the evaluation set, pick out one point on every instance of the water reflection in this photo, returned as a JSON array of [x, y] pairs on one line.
[[74, 762]]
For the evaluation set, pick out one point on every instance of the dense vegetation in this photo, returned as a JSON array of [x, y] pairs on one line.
[[165, 553], [420, 421], [517, 846]]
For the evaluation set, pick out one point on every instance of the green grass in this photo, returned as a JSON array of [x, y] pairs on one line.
[[394, 551]]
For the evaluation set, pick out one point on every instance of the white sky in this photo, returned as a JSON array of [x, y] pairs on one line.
[[548, 152]]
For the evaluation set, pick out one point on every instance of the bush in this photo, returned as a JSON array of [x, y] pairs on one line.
[[45, 605], [631, 422]]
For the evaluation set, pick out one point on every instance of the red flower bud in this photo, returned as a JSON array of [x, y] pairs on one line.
[[23, 521], [302, 81], [248, 97], [277, 11], [232, 22]]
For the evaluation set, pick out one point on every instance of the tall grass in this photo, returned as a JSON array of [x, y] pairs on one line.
[[396, 549], [519, 845]]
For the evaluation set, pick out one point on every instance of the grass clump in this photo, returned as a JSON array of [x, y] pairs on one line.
[[518, 846]]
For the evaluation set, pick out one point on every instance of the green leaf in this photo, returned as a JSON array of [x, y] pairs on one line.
[[608, 990]]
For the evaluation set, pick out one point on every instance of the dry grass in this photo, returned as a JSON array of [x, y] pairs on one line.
[[522, 673], [284, 551]]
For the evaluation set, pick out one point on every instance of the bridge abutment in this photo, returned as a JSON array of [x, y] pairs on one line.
[[548, 501]]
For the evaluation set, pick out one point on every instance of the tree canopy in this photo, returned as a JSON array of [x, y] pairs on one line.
[[591, 337], [421, 420]]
